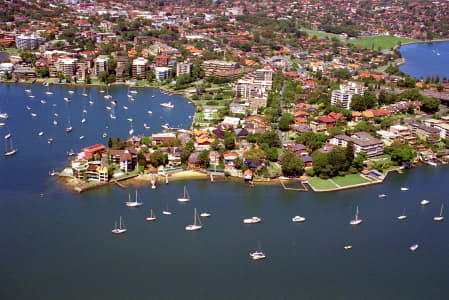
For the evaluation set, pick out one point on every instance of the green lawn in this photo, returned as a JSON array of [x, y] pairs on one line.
[[320, 34], [274, 169], [11, 50], [350, 179], [384, 42], [321, 184]]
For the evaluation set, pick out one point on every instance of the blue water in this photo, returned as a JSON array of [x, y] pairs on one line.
[[61, 247], [422, 59]]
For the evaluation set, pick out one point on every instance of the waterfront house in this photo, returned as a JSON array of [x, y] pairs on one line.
[[94, 149], [124, 158], [363, 142], [248, 175], [214, 157], [229, 159], [405, 133], [162, 138], [193, 161]]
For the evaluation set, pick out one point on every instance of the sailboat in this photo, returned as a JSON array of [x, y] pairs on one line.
[[112, 115], [107, 96], [424, 202], [440, 217], [69, 128], [356, 220], [152, 216], [10, 150], [258, 254], [185, 197], [133, 203], [166, 211], [403, 216], [131, 131], [196, 222], [120, 229], [7, 136], [48, 92]]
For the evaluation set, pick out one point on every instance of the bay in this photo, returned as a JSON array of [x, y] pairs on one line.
[[60, 246], [426, 59]]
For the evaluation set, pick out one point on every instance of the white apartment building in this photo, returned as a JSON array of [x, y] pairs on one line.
[[28, 41], [139, 67], [363, 142], [183, 68], [162, 73], [345, 93], [101, 64], [67, 66]]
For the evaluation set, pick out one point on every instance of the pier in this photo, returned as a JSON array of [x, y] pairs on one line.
[[303, 189]]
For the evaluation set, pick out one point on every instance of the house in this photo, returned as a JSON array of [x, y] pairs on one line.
[[256, 124], [193, 161], [162, 138], [248, 175], [322, 123], [430, 134], [214, 157], [363, 142], [229, 159], [94, 149], [405, 133], [126, 159], [234, 122], [307, 161]]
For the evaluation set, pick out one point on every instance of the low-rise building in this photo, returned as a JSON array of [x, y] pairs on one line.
[[183, 68], [162, 73], [405, 133], [363, 142], [162, 138]]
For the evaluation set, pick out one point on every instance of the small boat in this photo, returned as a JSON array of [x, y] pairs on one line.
[[82, 137], [2, 124], [69, 129], [152, 216], [167, 105], [43, 101], [440, 217], [84, 95], [83, 120], [258, 254], [7, 136], [91, 102], [28, 108], [414, 247], [33, 115], [146, 126], [196, 223], [149, 112], [70, 152], [55, 122], [130, 119], [403, 216], [381, 196], [41, 133], [32, 96], [133, 203], [120, 229], [205, 215], [404, 189], [4, 116], [27, 91], [71, 92], [68, 100], [424, 202], [252, 220], [356, 220], [104, 135], [108, 107], [50, 140], [185, 197], [348, 247], [298, 219], [125, 107]]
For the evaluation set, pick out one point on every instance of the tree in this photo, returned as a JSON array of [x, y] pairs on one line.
[[270, 137], [272, 154], [357, 163], [157, 158], [350, 152], [291, 164], [285, 121], [369, 99], [203, 159], [238, 163], [430, 105], [312, 140], [357, 103], [254, 156]]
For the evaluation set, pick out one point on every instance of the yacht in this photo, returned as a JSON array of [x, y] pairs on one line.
[[425, 202], [82, 137], [28, 107], [185, 197], [149, 112], [120, 229], [381, 196], [356, 220], [125, 107], [298, 219], [167, 105], [33, 115], [10, 150], [4, 116], [252, 220], [71, 92], [41, 133], [348, 247], [403, 216], [414, 247], [152, 216], [68, 100], [404, 189], [196, 222], [133, 203], [440, 217], [258, 254], [205, 215]]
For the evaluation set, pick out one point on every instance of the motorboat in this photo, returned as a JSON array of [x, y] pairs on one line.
[[135, 203], [252, 220], [185, 197], [43, 101], [101, 91], [48, 93], [91, 102], [258, 254], [440, 217], [298, 219], [2, 124], [4, 116], [50, 140], [27, 91], [120, 229], [149, 112], [71, 92], [33, 115], [114, 103], [84, 95], [165, 126], [130, 119], [32, 96], [82, 137], [108, 107], [205, 215], [196, 222], [404, 189], [167, 105], [107, 96], [133, 92], [125, 107], [356, 220], [414, 247], [424, 202], [348, 247], [381, 195], [41, 133], [67, 99], [146, 126], [152, 216]]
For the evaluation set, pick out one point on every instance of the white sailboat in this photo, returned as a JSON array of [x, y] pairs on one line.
[[133, 203], [252, 220], [403, 216], [185, 197], [10, 150], [107, 96], [120, 229], [131, 131], [404, 189], [440, 217], [69, 128], [196, 222], [166, 212], [424, 202], [414, 247], [205, 215], [8, 136], [112, 115], [356, 220], [258, 254], [152, 216]]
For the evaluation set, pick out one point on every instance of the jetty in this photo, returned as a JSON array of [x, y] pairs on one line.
[[303, 189]]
